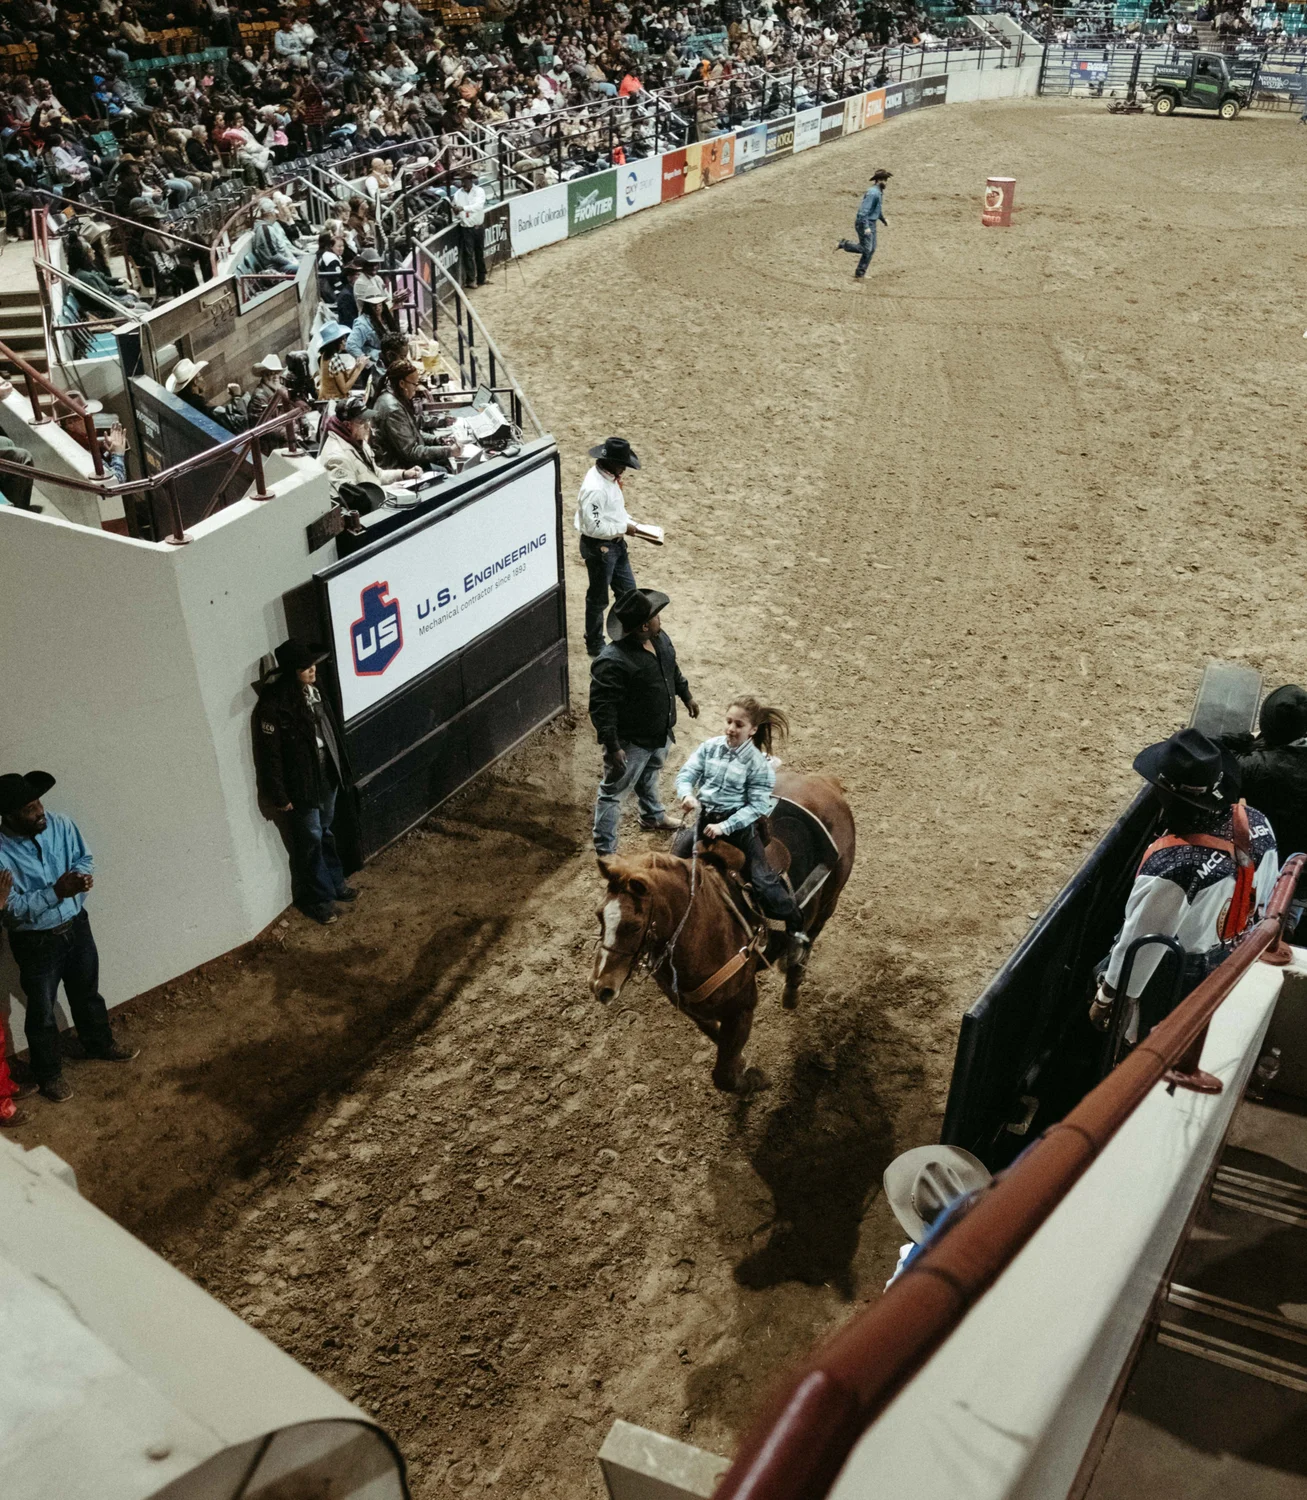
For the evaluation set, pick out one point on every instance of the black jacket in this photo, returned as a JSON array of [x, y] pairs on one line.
[[633, 693], [286, 757], [400, 438], [1274, 780]]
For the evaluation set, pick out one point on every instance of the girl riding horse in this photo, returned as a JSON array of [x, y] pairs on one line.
[[733, 778]]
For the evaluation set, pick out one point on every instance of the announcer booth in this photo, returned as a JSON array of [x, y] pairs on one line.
[[449, 640]]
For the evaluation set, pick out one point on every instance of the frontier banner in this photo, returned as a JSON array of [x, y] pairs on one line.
[[591, 202]]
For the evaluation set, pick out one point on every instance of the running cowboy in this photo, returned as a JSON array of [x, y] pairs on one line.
[[728, 783], [870, 213]]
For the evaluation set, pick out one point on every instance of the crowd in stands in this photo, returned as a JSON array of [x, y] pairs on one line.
[[90, 106]]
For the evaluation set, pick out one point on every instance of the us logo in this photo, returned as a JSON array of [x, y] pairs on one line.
[[376, 637]]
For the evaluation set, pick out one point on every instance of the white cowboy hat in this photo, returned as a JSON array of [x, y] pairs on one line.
[[271, 365], [921, 1183], [184, 371]]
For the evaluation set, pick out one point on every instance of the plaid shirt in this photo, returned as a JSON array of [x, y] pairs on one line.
[[736, 781]]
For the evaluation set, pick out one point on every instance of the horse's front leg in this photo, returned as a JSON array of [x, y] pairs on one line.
[[711, 1029], [730, 1074]]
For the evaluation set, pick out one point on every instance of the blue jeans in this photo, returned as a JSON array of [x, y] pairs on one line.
[[865, 248], [179, 191], [45, 959], [641, 773], [316, 876], [608, 565]]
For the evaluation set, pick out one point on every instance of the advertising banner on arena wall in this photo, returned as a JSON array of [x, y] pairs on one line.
[[694, 167], [915, 93], [807, 129], [497, 247], [854, 109], [402, 610], [1273, 81], [780, 137], [538, 218], [873, 108], [639, 185], [673, 174], [718, 158], [832, 121], [591, 202], [750, 147]]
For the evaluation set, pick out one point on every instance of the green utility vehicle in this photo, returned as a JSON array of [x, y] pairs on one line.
[[1202, 80]]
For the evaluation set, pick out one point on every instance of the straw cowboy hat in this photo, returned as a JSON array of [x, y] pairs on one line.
[[269, 365], [921, 1183], [185, 371], [1192, 768], [633, 609]]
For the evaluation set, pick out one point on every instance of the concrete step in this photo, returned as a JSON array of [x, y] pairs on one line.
[[19, 317], [13, 301]]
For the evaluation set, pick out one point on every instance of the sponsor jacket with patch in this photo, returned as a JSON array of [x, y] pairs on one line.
[[297, 754], [1183, 892]]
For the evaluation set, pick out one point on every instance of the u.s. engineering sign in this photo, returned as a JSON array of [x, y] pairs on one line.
[[405, 608]]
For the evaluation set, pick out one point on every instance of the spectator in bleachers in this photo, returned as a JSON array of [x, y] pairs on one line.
[[270, 250], [187, 383], [369, 328], [15, 489], [271, 384], [404, 437], [338, 370], [347, 453], [1209, 874]]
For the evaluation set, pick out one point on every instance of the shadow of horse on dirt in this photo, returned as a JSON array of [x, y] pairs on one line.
[[821, 1154]]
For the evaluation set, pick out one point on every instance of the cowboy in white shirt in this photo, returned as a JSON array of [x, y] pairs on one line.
[[604, 525], [469, 202]]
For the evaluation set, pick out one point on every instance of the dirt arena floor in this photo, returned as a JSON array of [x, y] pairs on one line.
[[977, 524]]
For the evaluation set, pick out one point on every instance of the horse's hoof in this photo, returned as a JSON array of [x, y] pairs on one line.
[[753, 1083], [790, 999]]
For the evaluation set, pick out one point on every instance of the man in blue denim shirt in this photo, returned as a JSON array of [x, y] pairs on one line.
[[49, 931], [869, 215]]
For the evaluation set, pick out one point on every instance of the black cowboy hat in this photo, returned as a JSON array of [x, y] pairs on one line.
[[363, 497], [1284, 715], [616, 450], [294, 656], [17, 791], [1191, 768], [632, 610], [881, 174]]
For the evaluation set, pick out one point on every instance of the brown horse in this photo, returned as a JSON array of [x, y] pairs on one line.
[[677, 917]]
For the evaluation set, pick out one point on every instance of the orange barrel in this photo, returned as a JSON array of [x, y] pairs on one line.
[[999, 193]]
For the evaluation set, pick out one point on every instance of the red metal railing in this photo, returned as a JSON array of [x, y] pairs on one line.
[[811, 1425], [37, 385], [234, 450]]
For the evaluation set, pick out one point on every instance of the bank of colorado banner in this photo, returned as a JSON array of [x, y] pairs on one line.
[[591, 202], [399, 611], [538, 218], [639, 185]]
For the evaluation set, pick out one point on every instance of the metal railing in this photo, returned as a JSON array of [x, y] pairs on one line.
[[797, 1450], [234, 451], [75, 409]]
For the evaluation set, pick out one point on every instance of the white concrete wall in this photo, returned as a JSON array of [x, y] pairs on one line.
[[129, 681], [966, 85], [1006, 1409]]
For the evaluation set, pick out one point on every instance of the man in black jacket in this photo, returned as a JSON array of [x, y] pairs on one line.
[[634, 685], [300, 764], [1274, 775]]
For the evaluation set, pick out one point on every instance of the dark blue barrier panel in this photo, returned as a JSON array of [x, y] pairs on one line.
[[1028, 1037]]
